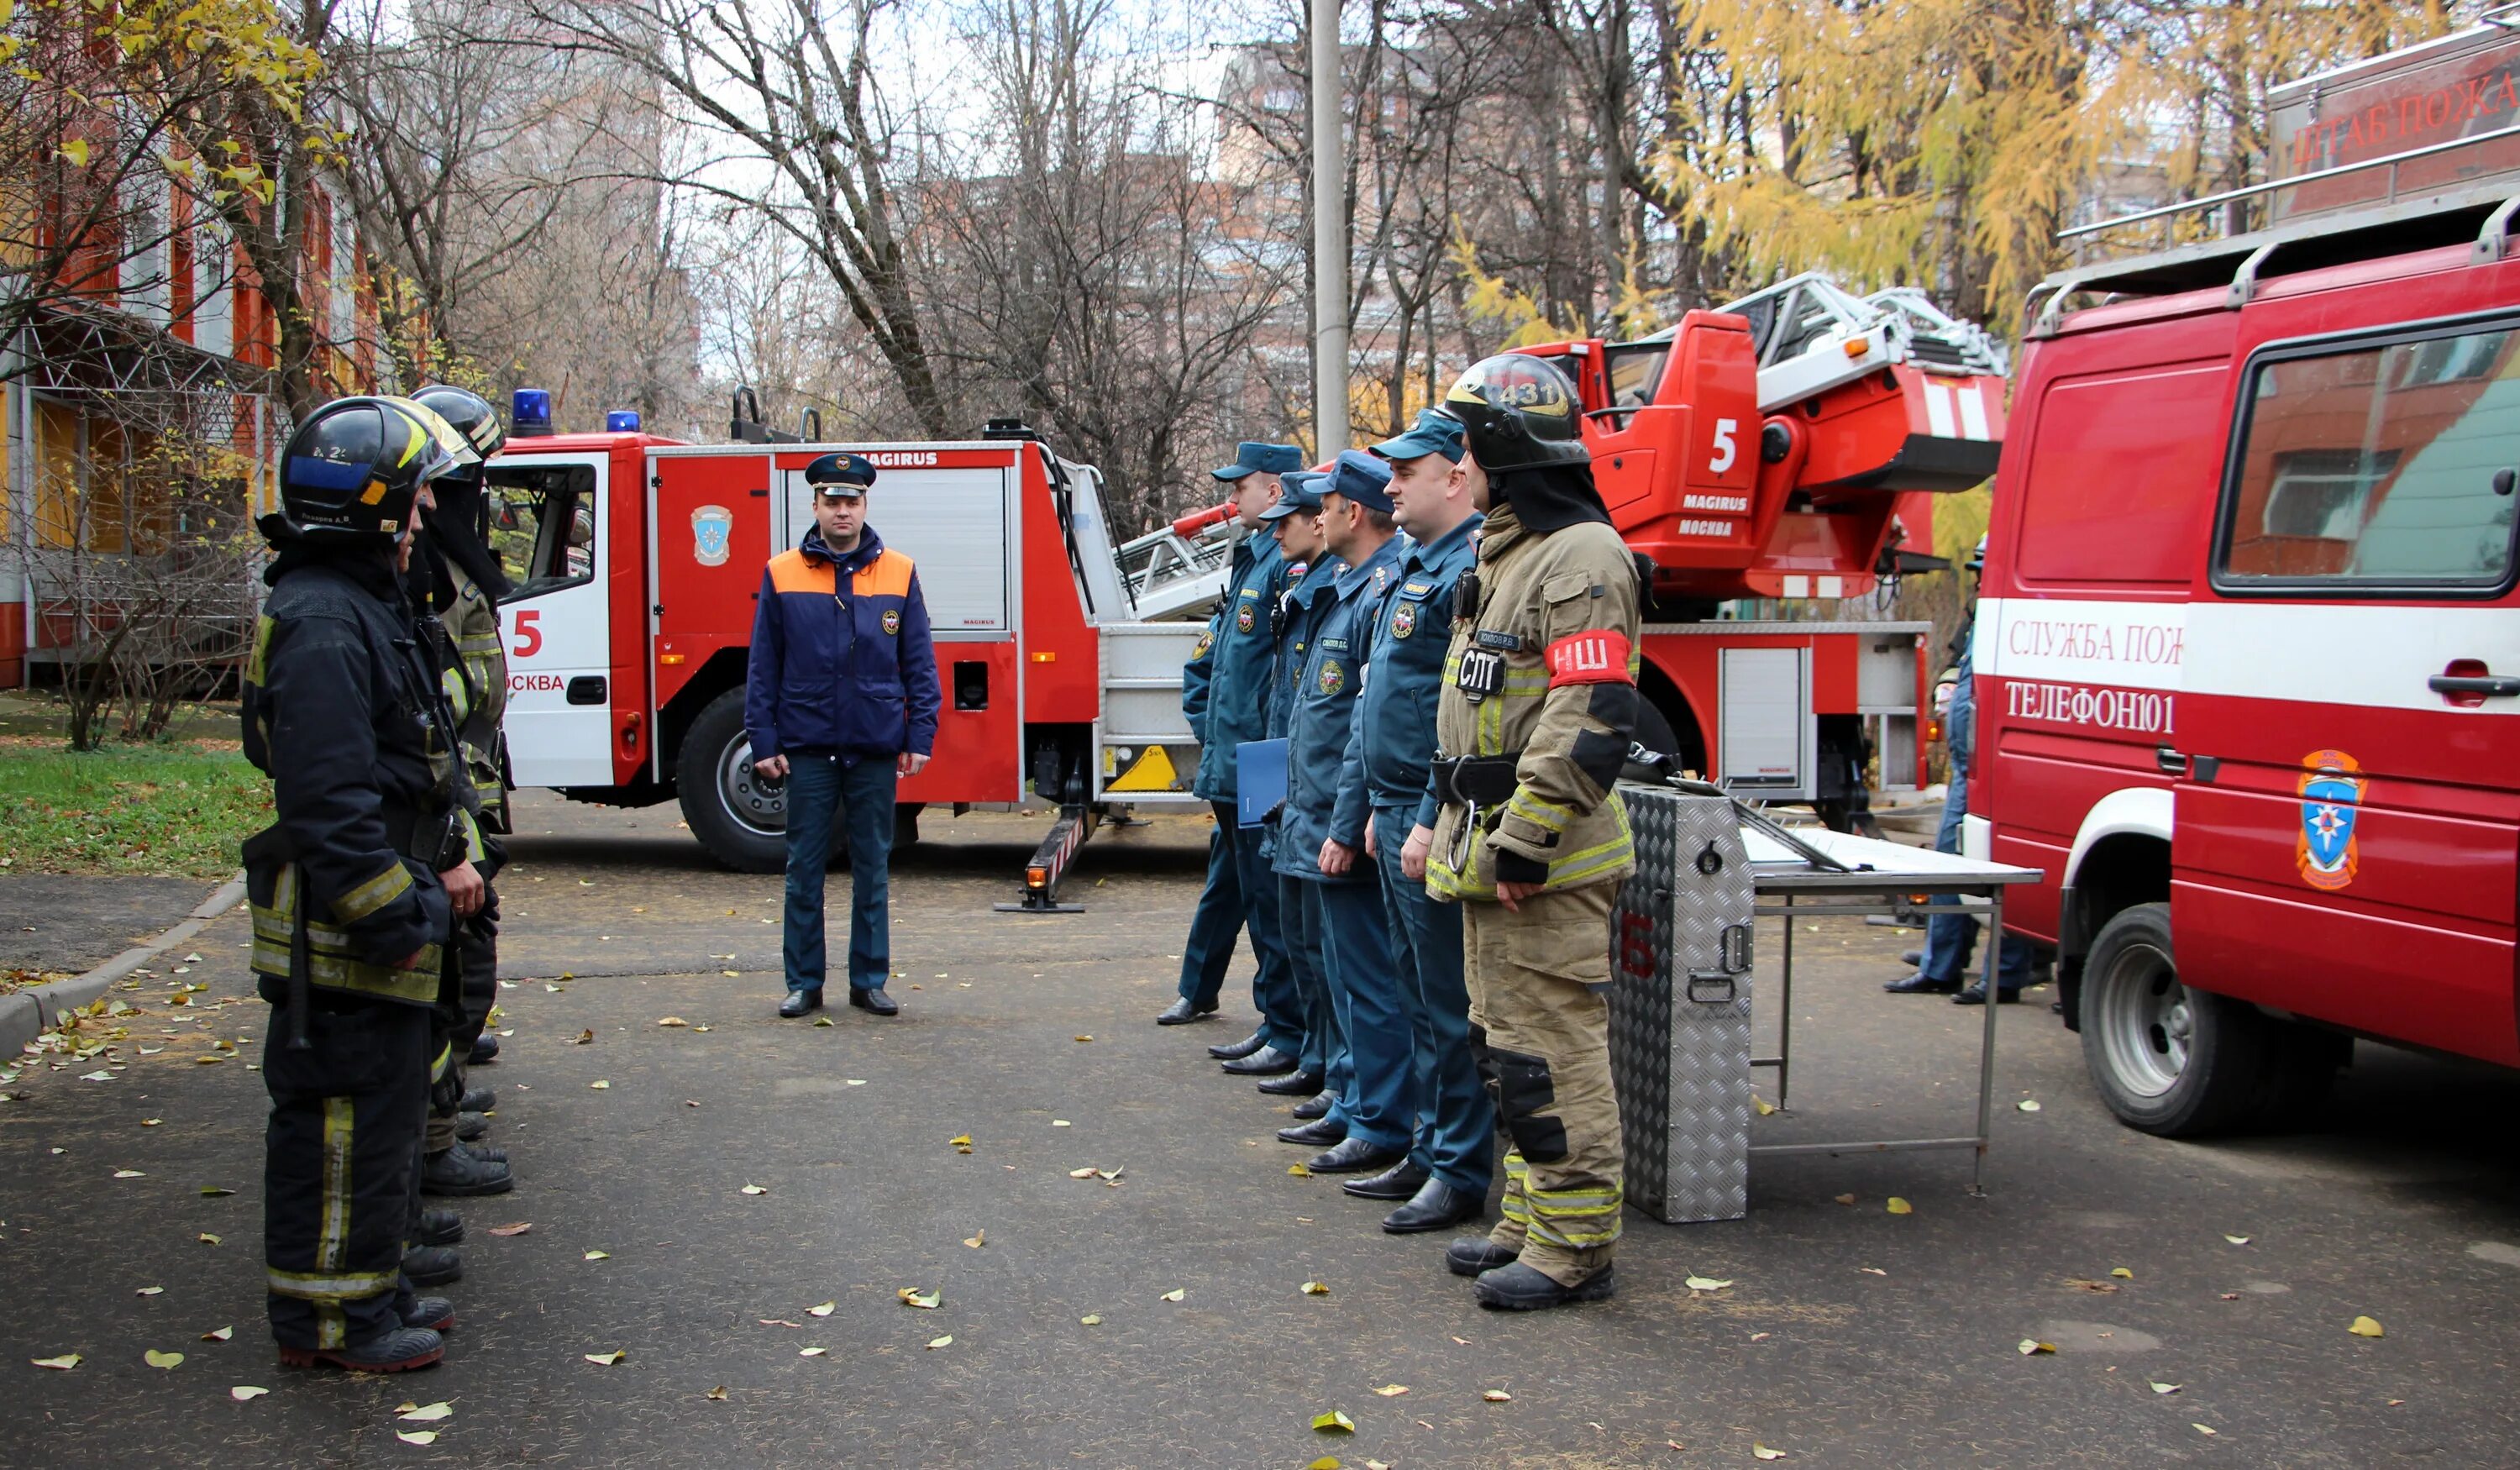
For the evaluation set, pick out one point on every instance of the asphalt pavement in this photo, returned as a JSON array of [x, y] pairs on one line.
[[1848, 1334]]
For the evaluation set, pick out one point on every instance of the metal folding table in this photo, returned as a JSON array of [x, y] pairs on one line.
[[1880, 874]]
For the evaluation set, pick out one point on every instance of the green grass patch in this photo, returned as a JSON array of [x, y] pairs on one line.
[[158, 810]]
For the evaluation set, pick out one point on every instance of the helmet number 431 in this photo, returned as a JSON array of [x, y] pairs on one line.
[[1725, 450]]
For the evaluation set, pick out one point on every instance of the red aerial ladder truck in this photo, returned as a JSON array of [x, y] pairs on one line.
[[1778, 449]]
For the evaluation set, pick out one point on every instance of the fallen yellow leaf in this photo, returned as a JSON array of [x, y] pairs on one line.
[[2365, 1327], [63, 1363], [1299, 1171], [608, 1359], [417, 1413], [754, 1189], [1080, 1174], [2166, 1388], [1092, 1320], [977, 1239], [961, 1140], [599, 1086], [417, 1436], [598, 1255], [1333, 1422], [946, 1341], [1764, 1107], [206, 1238], [673, 1021], [157, 1359], [826, 1310], [1898, 1205], [717, 1394], [811, 1351], [2203, 1429], [2121, 1272], [244, 1392], [1706, 1283], [2237, 1239], [1392, 1390], [925, 1300], [2032, 1344], [1496, 1396], [218, 1334], [584, 1037], [1176, 1294], [1316, 1289], [1762, 1451], [1325, 1462]]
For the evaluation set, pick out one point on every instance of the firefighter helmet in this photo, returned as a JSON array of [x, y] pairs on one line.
[[1977, 556], [1518, 412], [469, 413], [354, 468]]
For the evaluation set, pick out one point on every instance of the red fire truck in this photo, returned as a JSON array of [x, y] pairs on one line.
[[1774, 449], [2248, 654]]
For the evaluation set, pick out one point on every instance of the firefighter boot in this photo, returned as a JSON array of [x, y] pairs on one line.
[[470, 1126], [436, 1314], [1523, 1288], [483, 1153], [432, 1266], [395, 1351], [479, 1100], [438, 1227], [1476, 1255], [453, 1172]]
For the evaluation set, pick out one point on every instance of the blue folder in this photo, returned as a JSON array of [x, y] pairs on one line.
[[1259, 779]]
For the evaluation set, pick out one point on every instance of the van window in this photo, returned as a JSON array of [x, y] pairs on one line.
[[2385, 469], [2119, 475]]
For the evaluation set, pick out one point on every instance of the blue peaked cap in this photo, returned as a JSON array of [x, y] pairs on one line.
[[1298, 490], [1362, 478], [1432, 434], [1251, 457]]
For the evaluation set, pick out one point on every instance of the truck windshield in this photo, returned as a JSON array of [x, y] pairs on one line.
[[543, 525], [1635, 371]]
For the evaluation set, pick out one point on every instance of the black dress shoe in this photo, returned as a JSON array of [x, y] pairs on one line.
[[1918, 985], [1354, 1156], [1439, 1207], [1236, 1050], [1911, 958], [1399, 1182], [1184, 1011], [1975, 995], [873, 1001], [1321, 1132], [1315, 1106], [1292, 1085], [1268, 1061], [1472, 1255], [799, 1002], [1524, 1289]]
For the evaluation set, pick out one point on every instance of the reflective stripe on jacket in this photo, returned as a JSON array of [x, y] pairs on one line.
[[1561, 611], [849, 673]]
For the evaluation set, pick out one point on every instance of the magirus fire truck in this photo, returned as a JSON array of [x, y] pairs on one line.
[[2248, 654], [1774, 449]]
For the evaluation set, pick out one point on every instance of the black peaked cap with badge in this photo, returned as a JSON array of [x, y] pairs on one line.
[[841, 474]]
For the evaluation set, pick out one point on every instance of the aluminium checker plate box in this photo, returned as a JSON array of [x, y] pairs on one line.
[[1679, 1007]]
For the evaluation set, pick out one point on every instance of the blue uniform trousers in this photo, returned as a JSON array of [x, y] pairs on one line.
[[1379, 1099], [1208, 953], [1456, 1132], [860, 795], [1324, 1045], [1951, 938], [1273, 987]]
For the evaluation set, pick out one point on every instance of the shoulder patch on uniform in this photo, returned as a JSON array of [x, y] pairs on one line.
[[1490, 638], [1404, 619]]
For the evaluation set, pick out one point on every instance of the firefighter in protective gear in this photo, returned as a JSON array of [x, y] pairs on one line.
[[458, 580], [353, 888], [1538, 706]]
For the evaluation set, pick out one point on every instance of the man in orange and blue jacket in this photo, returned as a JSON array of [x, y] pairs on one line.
[[840, 703]]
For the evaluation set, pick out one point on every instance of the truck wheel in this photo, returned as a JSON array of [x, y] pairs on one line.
[[743, 822], [2168, 1060]]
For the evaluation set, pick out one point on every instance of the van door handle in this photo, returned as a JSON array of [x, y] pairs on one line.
[[2491, 686], [2170, 761]]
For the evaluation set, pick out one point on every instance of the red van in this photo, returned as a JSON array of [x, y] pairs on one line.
[[2248, 647]]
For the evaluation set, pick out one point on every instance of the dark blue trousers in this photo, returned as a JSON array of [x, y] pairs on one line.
[[822, 788], [1208, 953], [1951, 938], [1273, 987], [1378, 1098], [1456, 1128], [1324, 1045]]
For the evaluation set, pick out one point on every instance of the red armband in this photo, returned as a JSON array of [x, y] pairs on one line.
[[1599, 656]]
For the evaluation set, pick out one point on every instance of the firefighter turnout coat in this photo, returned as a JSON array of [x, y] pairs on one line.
[[1548, 652], [342, 710]]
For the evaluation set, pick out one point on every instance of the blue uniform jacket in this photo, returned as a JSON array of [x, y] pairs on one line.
[[1393, 744], [1297, 613], [841, 672], [1238, 666], [1323, 696]]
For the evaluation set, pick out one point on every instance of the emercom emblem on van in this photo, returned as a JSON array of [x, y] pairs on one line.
[[2331, 793]]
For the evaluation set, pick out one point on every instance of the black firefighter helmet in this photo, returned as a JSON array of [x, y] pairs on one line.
[[1517, 413], [354, 471], [471, 415]]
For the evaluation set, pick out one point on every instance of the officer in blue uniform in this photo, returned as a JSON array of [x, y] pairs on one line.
[[1225, 693], [1375, 1096], [1445, 1178], [1296, 524]]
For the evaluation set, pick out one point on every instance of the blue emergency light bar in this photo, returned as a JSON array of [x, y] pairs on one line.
[[621, 422], [529, 414]]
